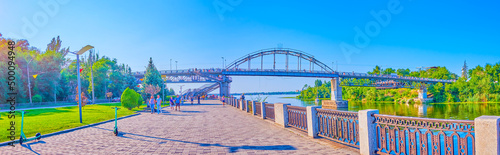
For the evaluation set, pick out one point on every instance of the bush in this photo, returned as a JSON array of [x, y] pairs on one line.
[[139, 99], [129, 99], [37, 98]]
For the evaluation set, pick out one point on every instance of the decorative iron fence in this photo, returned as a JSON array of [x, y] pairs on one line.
[[258, 110], [297, 117], [269, 111], [411, 135], [339, 126]]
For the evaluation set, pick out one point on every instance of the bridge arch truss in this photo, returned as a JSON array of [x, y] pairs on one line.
[[280, 51]]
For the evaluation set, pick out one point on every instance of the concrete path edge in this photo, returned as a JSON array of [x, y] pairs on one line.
[[72, 129]]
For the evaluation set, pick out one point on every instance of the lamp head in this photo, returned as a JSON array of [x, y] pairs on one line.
[[84, 49]]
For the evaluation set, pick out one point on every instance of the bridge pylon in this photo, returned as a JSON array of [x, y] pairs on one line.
[[224, 86], [336, 100]]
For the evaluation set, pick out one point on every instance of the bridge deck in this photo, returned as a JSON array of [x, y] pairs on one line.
[[198, 129]]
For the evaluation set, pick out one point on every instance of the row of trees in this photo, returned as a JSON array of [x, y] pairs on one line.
[[56, 75], [481, 86]]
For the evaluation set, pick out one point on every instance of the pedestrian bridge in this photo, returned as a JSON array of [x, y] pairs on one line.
[[222, 76]]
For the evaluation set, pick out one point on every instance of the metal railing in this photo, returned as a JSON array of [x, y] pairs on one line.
[[244, 105], [258, 110], [297, 117], [249, 106], [411, 135], [269, 111], [339, 126]]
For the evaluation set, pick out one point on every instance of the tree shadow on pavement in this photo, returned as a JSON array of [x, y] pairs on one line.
[[231, 149], [28, 146]]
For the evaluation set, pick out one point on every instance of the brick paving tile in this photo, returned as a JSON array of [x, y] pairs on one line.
[[208, 128]]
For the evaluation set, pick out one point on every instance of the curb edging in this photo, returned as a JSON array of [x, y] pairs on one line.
[[71, 130]]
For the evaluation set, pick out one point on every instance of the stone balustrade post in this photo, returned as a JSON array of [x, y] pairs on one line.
[[312, 121], [253, 107], [263, 110], [367, 132], [487, 139], [281, 114]]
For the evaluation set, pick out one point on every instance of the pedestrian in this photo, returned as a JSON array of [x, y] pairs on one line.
[[178, 104], [152, 104], [198, 99], [223, 100], [158, 103], [172, 103], [191, 100]]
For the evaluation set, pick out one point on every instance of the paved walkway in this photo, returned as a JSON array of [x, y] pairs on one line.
[[58, 106], [198, 129]]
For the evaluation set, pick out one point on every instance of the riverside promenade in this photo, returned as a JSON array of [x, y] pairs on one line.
[[208, 128]]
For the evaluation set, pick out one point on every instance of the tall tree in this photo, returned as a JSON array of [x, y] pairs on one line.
[[152, 76]]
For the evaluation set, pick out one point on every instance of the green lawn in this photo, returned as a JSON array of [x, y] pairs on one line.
[[51, 120]]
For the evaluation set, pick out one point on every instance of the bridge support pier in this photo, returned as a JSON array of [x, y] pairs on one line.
[[336, 96], [224, 89], [422, 94]]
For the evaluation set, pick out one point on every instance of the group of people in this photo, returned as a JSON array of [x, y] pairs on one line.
[[174, 102], [155, 104]]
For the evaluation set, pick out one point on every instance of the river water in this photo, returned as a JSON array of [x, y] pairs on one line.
[[461, 111]]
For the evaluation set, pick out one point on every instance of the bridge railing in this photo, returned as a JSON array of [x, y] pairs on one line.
[[374, 133], [339, 126], [269, 111], [297, 117], [258, 109], [409, 135]]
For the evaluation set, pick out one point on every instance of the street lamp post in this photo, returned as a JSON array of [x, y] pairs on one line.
[[175, 65], [29, 82], [83, 50], [92, 74]]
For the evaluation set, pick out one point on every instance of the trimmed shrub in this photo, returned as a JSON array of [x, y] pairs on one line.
[[139, 99], [129, 99], [37, 98]]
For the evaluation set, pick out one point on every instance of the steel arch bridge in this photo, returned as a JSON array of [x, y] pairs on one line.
[[222, 80], [279, 51]]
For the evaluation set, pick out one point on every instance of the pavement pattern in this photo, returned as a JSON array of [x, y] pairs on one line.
[[207, 128]]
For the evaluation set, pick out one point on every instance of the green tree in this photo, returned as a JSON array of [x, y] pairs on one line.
[[388, 71], [152, 77], [376, 70]]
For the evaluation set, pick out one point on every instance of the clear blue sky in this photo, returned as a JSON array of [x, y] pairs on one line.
[[422, 33]]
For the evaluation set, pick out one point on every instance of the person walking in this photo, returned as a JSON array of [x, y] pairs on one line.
[[152, 104], [172, 103], [191, 100], [158, 104], [223, 100], [178, 103], [198, 99]]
